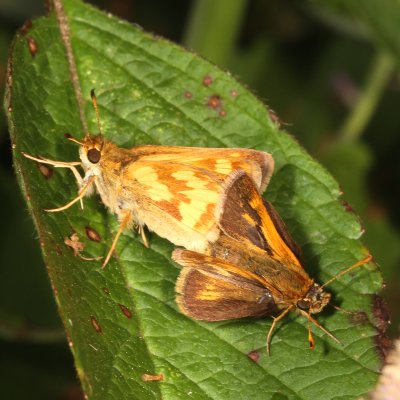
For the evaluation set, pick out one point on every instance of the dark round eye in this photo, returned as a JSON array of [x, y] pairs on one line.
[[94, 156], [304, 304]]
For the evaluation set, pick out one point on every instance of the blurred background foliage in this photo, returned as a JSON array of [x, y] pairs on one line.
[[330, 71]]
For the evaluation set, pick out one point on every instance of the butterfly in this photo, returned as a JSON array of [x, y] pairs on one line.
[[253, 269], [173, 191]]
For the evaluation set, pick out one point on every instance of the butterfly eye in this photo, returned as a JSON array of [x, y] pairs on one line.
[[94, 156], [304, 304]]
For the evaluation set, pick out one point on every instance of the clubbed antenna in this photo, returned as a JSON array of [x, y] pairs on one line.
[[358, 264], [96, 108]]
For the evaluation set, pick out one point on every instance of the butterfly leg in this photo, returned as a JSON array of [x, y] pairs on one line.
[[126, 221], [275, 321], [144, 237], [78, 198], [60, 164]]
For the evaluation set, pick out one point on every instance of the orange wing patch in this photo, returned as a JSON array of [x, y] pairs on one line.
[[245, 217]]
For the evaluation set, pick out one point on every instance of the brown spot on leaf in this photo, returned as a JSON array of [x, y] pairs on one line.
[[214, 102], [92, 234], [381, 313], [148, 377], [45, 170], [222, 113], [26, 27], [254, 355], [359, 318], [188, 95], [383, 344], [234, 93], [126, 311], [207, 80], [347, 206], [32, 46], [95, 324], [106, 290]]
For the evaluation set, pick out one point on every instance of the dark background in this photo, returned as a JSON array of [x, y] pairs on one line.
[[329, 79]]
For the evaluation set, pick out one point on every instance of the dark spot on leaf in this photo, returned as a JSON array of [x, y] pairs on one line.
[[26, 27], [359, 318], [207, 80], [32, 46], [125, 310], [92, 234], [188, 95], [67, 135], [234, 93], [148, 377], [383, 344], [254, 355], [214, 102], [106, 290], [347, 206], [95, 324], [45, 170], [381, 313]]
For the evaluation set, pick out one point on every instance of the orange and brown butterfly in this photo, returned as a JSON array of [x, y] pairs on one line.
[[253, 269], [171, 190]]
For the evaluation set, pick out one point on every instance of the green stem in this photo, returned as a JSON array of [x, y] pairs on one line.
[[213, 28], [380, 72]]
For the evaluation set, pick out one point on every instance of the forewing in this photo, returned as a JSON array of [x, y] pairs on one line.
[[177, 189], [245, 216], [217, 161], [211, 289]]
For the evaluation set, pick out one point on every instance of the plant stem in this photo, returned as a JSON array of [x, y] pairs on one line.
[[213, 27], [380, 72]]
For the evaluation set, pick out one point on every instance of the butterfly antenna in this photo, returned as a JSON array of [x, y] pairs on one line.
[[72, 139], [96, 108], [358, 264]]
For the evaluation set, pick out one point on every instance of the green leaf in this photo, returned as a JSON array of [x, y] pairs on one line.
[[122, 322]]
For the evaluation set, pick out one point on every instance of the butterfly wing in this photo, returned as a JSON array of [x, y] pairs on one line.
[[247, 217], [218, 161], [177, 191], [211, 289]]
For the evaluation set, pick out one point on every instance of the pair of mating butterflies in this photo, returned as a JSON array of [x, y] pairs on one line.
[[239, 259]]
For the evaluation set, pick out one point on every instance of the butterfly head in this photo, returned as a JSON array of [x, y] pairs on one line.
[[314, 301], [91, 149]]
